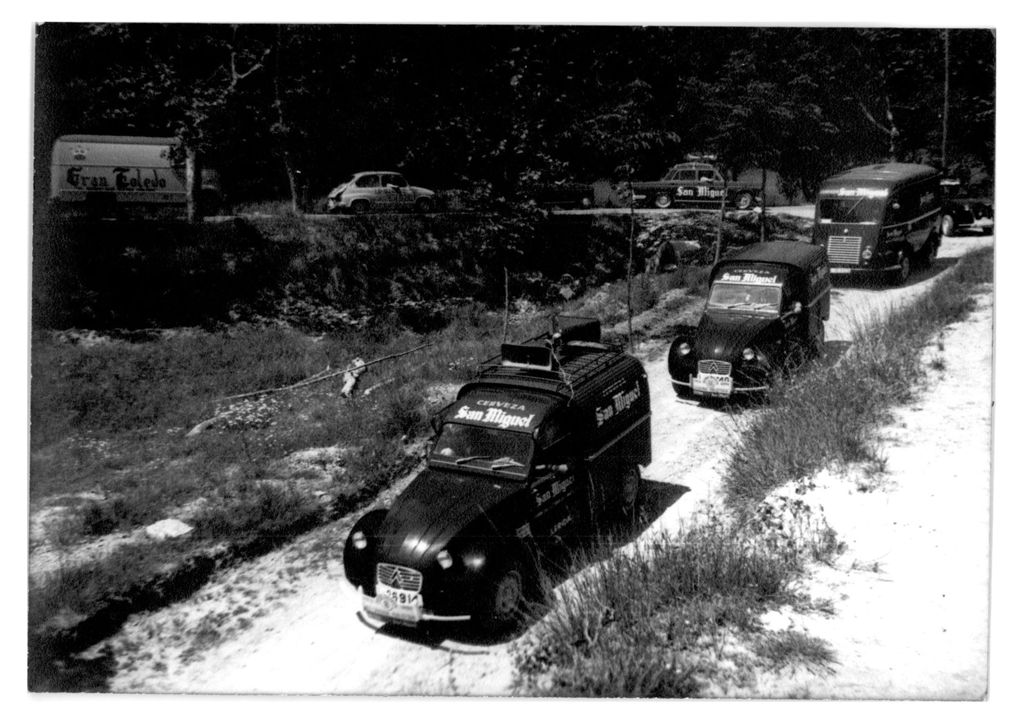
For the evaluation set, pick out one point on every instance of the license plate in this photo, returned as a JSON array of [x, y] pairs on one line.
[[709, 384], [394, 603], [840, 270]]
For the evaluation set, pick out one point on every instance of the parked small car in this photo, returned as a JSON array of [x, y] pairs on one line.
[[541, 449], [880, 219], [963, 207], [379, 191], [764, 316], [695, 184]]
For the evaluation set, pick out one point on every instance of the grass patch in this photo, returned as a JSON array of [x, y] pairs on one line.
[[642, 624], [795, 648], [829, 414]]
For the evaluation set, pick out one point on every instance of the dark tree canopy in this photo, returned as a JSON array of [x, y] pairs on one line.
[[286, 109]]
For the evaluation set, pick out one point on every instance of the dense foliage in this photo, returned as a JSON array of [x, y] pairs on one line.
[[288, 111]]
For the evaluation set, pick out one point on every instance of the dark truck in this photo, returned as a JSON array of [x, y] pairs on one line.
[[692, 184], [764, 316], [963, 206], [541, 450], [880, 219]]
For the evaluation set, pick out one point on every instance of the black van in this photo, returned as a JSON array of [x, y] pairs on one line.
[[765, 314], [880, 219], [544, 446]]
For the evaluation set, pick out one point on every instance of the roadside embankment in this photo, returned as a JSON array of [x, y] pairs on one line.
[[711, 626]]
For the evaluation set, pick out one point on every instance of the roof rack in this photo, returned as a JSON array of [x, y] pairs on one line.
[[553, 362]]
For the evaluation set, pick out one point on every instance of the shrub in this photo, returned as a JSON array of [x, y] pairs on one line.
[[256, 510]]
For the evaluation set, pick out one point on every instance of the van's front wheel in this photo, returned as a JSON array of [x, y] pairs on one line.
[[902, 273]]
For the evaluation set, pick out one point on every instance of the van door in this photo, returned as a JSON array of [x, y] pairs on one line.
[[917, 213]]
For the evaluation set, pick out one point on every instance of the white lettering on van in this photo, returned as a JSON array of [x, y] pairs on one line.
[[493, 416], [620, 402]]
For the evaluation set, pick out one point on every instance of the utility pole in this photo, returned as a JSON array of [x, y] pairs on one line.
[[945, 100]]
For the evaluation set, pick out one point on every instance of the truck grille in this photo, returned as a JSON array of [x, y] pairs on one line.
[[714, 367], [844, 249], [407, 579]]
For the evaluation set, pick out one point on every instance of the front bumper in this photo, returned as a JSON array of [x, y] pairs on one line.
[[405, 614], [843, 270], [736, 389]]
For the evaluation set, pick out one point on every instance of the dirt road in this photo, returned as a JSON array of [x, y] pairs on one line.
[[288, 622]]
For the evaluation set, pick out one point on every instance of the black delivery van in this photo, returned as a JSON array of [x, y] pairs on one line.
[[765, 314], [880, 218], [543, 447]]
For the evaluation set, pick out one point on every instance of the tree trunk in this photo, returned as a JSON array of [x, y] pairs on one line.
[[629, 260], [193, 185], [764, 198], [721, 220], [294, 185], [945, 99]]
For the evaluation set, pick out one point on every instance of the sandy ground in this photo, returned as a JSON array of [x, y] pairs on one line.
[[289, 623], [911, 591]]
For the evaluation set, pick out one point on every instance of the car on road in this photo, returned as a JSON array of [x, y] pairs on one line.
[[963, 206], [540, 451], [558, 195], [694, 184], [368, 191], [764, 316], [880, 219]]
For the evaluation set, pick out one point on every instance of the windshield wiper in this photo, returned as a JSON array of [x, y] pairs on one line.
[[463, 461], [849, 212], [505, 463]]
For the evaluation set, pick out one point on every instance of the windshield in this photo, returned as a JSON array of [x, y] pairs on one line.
[[756, 297], [482, 448], [850, 210]]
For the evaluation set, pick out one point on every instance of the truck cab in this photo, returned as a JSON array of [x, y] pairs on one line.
[[539, 452]]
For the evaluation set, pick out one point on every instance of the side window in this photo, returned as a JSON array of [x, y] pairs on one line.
[[688, 175], [902, 206], [371, 181], [393, 179]]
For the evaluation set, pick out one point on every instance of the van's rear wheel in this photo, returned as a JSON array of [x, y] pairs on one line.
[[663, 200], [948, 225], [626, 508], [744, 201], [360, 206], [927, 253]]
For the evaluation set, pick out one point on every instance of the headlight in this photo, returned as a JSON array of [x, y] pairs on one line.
[[358, 540], [683, 349], [866, 254], [445, 559], [748, 354]]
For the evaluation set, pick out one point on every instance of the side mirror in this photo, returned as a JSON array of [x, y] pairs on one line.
[[794, 310]]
